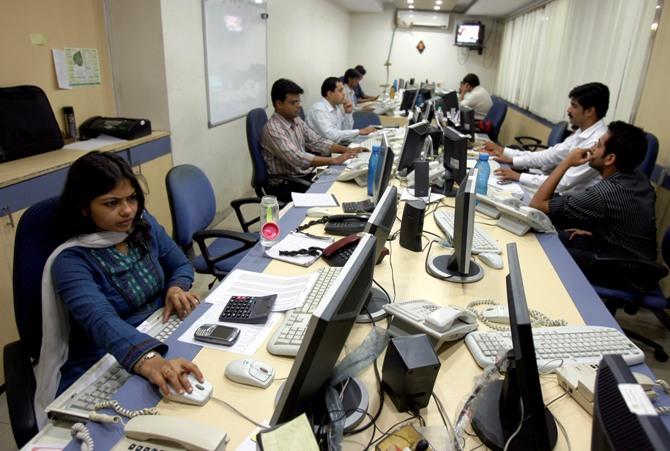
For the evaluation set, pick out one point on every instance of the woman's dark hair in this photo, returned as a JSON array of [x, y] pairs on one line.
[[351, 73], [93, 175], [361, 69]]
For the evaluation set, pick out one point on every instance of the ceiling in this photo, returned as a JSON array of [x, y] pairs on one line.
[[488, 8]]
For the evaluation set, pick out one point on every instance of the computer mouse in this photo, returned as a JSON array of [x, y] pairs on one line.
[[318, 212], [250, 372], [201, 393], [492, 260]]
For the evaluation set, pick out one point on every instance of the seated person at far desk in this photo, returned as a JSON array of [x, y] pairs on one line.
[[351, 79], [286, 139], [588, 105], [473, 95], [331, 117], [615, 217], [116, 268], [358, 89]]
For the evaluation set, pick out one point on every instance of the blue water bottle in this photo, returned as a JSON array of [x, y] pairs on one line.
[[483, 172], [372, 167]]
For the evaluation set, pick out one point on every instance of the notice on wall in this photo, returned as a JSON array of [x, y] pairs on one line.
[[83, 66]]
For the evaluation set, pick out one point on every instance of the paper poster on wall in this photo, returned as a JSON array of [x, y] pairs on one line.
[[83, 66]]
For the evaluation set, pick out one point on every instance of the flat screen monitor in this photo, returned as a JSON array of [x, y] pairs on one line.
[[423, 96], [383, 170], [411, 149], [503, 405], [470, 34], [450, 100], [459, 267], [467, 118], [454, 159], [615, 427], [408, 99], [327, 331]]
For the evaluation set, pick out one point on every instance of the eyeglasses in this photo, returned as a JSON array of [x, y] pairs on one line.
[[312, 251]]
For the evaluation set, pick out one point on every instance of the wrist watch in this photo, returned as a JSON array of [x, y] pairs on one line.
[[148, 356]]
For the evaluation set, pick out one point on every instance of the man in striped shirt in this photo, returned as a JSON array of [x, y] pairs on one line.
[[290, 147], [615, 217]]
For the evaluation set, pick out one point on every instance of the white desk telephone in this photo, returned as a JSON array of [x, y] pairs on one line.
[[439, 323], [170, 434]]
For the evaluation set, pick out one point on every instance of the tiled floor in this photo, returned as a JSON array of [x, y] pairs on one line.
[[644, 323]]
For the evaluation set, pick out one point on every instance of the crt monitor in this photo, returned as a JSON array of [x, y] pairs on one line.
[[468, 122], [470, 34], [383, 170], [327, 331], [408, 99], [459, 267], [454, 159], [411, 149], [615, 427], [504, 404]]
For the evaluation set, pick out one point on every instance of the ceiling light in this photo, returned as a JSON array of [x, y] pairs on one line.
[[410, 2], [411, 6], [438, 2], [436, 8]]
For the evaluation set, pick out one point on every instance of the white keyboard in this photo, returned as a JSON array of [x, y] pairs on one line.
[[288, 337], [106, 376], [373, 140], [481, 241], [558, 346]]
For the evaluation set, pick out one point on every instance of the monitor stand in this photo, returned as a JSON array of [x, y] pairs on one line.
[[373, 307], [355, 400], [444, 267]]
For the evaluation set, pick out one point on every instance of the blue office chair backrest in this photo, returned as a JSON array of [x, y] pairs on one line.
[[36, 238], [558, 134], [364, 119], [301, 113], [192, 202], [256, 120], [496, 115], [647, 165]]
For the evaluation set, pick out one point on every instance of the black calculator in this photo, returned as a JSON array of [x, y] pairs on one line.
[[248, 309]]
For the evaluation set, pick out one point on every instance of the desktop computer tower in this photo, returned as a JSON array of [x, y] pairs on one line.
[[412, 225], [409, 371], [421, 185]]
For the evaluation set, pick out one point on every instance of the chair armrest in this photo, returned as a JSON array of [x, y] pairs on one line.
[[203, 235], [20, 388], [237, 206], [532, 139], [636, 274], [288, 178]]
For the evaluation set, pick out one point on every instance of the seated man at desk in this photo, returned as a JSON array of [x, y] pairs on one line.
[[473, 95], [588, 105], [287, 139], [332, 117], [351, 79], [613, 218], [359, 89]]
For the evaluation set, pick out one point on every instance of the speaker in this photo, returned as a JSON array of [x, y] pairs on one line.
[[412, 225], [409, 371], [421, 188]]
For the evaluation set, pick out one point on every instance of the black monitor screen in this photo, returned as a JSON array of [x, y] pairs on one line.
[[450, 100], [326, 334], [470, 34], [383, 170], [408, 99], [411, 149], [455, 157], [468, 121], [382, 218]]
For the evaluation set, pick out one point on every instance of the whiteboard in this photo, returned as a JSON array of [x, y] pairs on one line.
[[235, 57]]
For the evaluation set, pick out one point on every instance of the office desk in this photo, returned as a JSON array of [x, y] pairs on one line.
[[551, 282]]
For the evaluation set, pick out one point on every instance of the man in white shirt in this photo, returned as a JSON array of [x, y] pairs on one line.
[[331, 117], [475, 96], [588, 105]]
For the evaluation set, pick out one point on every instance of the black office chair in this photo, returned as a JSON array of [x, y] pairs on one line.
[[633, 285], [35, 241], [496, 117], [558, 133], [364, 119], [647, 165], [193, 206]]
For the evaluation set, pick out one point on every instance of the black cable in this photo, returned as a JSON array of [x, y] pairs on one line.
[[431, 233], [385, 293], [390, 241], [381, 402]]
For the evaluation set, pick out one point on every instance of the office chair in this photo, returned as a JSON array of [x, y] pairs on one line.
[[301, 113], [260, 180], [364, 119], [35, 239], [637, 287], [496, 116], [647, 165], [558, 133], [193, 206]]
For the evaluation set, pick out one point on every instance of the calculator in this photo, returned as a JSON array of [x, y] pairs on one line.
[[248, 309]]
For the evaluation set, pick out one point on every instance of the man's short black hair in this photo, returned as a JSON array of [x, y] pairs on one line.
[[592, 95], [329, 84], [351, 73], [471, 79], [361, 69], [281, 88], [628, 143]]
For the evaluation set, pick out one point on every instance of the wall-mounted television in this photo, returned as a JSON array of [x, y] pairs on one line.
[[470, 34]]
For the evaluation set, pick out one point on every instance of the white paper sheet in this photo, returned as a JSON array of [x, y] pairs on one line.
[[94, 143], [60, 66], [291, 291], [313, 200], [406, 194]]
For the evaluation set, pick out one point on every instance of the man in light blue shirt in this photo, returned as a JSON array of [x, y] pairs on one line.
[[331, 117]]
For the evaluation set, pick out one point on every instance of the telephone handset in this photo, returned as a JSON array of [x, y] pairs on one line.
[[345, 225], [171, 433], [339, 252]]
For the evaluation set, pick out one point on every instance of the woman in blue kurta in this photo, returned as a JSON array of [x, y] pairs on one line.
[[108, 291]]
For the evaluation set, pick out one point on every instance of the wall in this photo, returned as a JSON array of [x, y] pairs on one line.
[[441, 61], [71, 23]]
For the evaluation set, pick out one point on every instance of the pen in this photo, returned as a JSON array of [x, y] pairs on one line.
[[316, 237]]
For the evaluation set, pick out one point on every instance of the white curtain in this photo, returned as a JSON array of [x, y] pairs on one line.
[[550, 50]]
